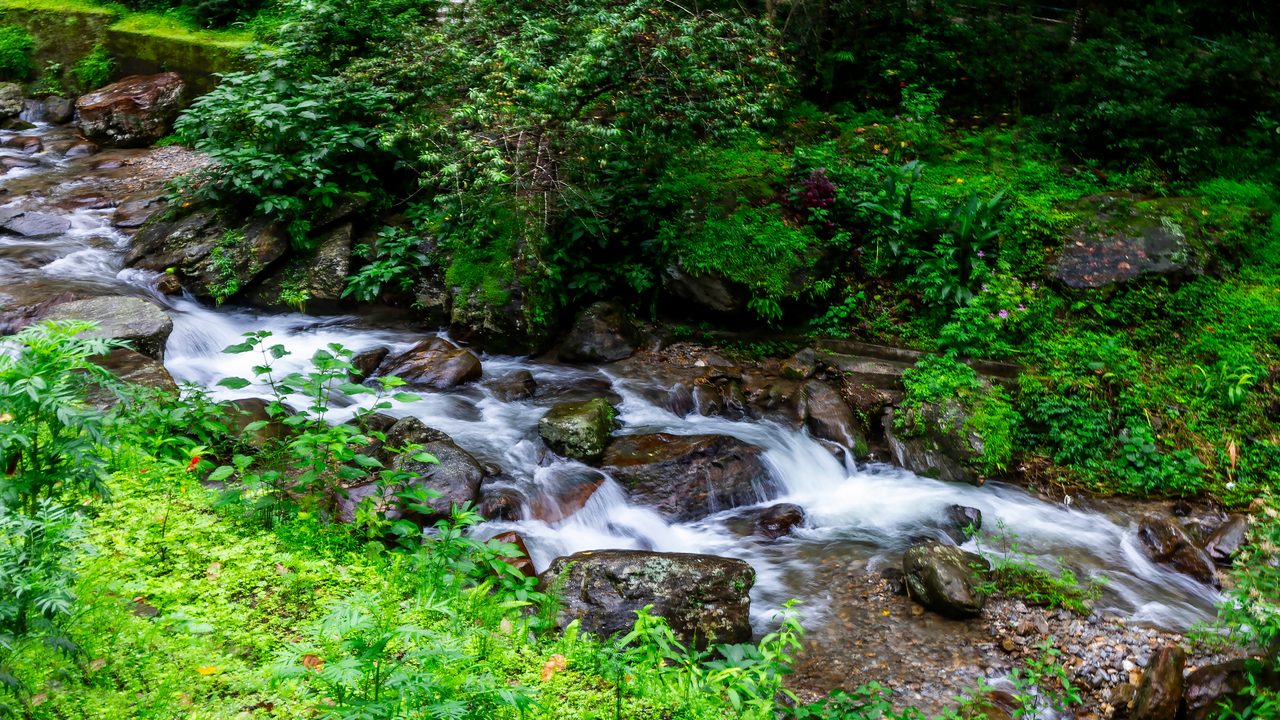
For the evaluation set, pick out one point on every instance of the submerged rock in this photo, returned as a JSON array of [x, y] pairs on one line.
[[434, 363], [139, 322], [945, 579], [578, 430], [514, 386], [564, 491], [704, 598], [602, 333], [133, 112], [686, 477], [778, 520]]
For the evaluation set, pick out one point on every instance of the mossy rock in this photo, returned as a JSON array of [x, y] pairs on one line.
[[579, 430]]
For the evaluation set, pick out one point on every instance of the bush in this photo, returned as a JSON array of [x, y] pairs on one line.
[[941, 381], [16, 49], [93, 70]]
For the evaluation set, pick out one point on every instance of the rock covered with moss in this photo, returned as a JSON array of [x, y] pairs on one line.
[[579, 430]]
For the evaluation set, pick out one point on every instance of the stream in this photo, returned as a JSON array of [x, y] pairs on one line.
[[860, 513]]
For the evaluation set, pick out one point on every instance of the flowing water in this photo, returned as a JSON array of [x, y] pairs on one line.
[[857, 511]]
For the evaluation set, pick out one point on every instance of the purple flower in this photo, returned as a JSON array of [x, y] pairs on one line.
[[1022, 308], [981, 254], [1004, 313], [1034, 286]]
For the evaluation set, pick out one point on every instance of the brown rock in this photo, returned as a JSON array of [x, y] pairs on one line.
[[435, 363], [134, 112], [1160, 692], [520, 561]]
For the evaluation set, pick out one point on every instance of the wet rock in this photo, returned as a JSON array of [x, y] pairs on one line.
[[499, 502], [520, 560], [578, 430], [514, 386], [27, 144], [828, 417], [49, 109], [81, 149], [133, 112], [1165, 542], [136, 209], [1208, 688], [15, 163], [168, 284], [772, 398], [365, 364], [138, 369], [1160, 692], [801, 366], [778, 520], [564, 491], [10, 100], [33, 224], [704, 598], [435, 363], [934, 441], [686, 477], [455, 479], [1129, 237], [945, 579], [995, 705], [602, 333], [960, 522], [318, 276], [381, 497], [1121, 700], [210, 257], [1223, 544], [242, 412], [140, 323], [895, 579]]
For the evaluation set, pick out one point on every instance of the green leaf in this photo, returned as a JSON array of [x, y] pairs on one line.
[[221, 473], [234, 383]]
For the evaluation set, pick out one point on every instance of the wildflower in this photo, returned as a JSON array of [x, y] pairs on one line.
[[1034, 286], [959, 181], [1004, 314], [1022, 308], [982, 254], [195, 460]]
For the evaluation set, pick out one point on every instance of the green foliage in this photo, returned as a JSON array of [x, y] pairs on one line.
[[946, 397], [393, 263], [1015, 574], [1251, 611], [51, 440], [285, 146], [16, 48], [319, 458], [93, 70]]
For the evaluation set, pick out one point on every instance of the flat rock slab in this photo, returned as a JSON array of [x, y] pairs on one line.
[[33, 224], [139, 322]]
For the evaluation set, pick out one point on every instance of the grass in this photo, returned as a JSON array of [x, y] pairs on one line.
[[65, 6], [166, 26]]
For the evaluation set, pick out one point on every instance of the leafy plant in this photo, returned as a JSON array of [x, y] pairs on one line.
[[1016, 574], [16, 48], [93, 70], [394, 261], [51, 439]]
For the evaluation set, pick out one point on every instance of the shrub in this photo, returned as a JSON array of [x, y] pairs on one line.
[[93, 70], [16, 48], [943, 381]]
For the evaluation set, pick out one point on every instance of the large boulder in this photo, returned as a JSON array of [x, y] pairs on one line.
[[578, 430], [434, 363], [829, 417], [318, 277], [707, 290], [1165, 542], [1125, 237], [704, 598], [139, 322], [686, 477], [453, 480], [211, 258], [1208, 688], [138, 369], [602, 333], [946, 579], [1160, 692], [934, 441], [11, 97], [1223, 544], [133, 112]]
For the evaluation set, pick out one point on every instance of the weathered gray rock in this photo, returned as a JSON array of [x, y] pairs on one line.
[[686, 477], [959, 522], [455, 479], [709, 291], [778, 520], [366, 363], [1226, 541], [33, 224], [1160, 692], [140, 323], [134, 112], [1127, 237], [704, 598], [138, 369], [935, 442], [1165, 542], [514, 386], [946, 579], [10, 100], [434, 363], [828, 417], [49, 109], [602, 333], [578, 430]]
